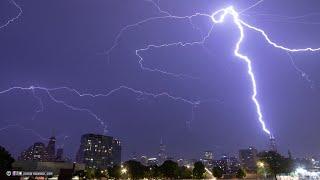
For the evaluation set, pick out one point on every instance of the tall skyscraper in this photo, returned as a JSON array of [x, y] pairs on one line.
[[162, 156], [59, 156], [207, 158], [51, 149], [99, 151], [248, 159], [116, 151], [273, 145], [208, 155], [36, 152]]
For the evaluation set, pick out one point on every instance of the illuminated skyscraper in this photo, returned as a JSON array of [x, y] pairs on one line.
[[36, 152], [207, 158], [273, 146], [208, 155], [51, 149], [248, 159], [99, 151], [162, 156]]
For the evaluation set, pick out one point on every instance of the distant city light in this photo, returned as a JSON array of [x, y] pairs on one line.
[[305, 173]]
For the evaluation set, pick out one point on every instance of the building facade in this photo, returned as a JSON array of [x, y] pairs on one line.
[[59, 155], [207, 159], [162, 156], [40, 152], [248, 159], [99, 151], [273, 145], [36, 152], [51, 149]]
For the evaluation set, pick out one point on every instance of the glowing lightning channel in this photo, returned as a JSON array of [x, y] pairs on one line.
[[48, 91], [224, 12], [41, 106], [14, 18], [25, 129], [167, 15], [217, 17], [275, 44], [79, 94], [230, 11], [240, 24], [150, 46], [303, 74]]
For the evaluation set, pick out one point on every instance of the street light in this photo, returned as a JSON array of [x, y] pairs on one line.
[[260, 164], [124, 171]]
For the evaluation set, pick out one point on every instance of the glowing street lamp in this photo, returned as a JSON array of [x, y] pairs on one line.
[[124, 171], [260, 164]]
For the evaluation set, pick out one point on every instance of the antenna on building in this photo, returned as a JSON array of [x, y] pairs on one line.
[[53, 133], [273, 146]]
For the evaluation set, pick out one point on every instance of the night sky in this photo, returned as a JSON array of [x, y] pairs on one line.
[[64, 43]]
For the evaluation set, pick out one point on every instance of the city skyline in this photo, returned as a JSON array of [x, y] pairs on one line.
[[109, 68]]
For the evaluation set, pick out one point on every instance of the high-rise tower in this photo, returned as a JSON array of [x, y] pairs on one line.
[[273, 146], [51, 149], [99, 151], [162, 152]]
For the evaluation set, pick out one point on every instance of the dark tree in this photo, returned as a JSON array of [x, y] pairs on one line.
[[217, 172], [240, 173], [90, 173], [135, 169], [169, 169], [114, 172], [185, 173], [276, 163], [153, 172], [5, 161], [100, 173], [198, 170]]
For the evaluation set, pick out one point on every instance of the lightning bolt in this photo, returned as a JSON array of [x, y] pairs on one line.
[[167, 15], [14, 18], [227, 11], [217, 17], [303, 74], [50, 91], [230, 11], [25, 129], [41, 106], [252, 6], [285, 19], [241, 24]]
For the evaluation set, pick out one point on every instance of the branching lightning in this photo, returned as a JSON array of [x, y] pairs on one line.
[[241, 24], [41, 106], [217, 17], [25, 129], [285, 19], [50, 91], [167, 16], [14, 18], [302, 73]]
